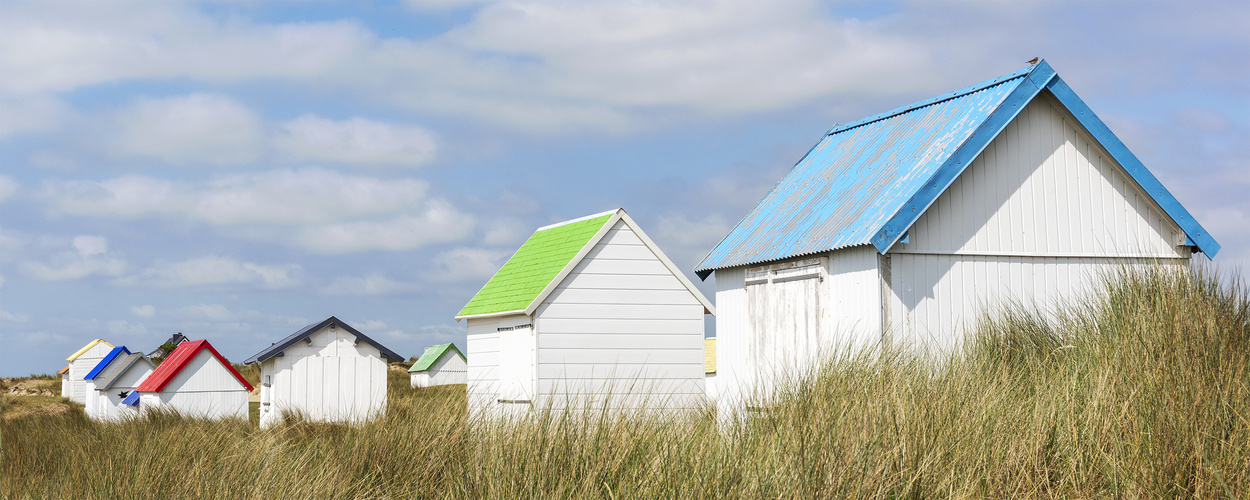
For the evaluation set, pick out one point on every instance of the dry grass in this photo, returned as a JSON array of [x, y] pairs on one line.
[[1144, 393]]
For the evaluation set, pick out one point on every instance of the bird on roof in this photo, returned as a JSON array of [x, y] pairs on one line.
[[1034, 60]]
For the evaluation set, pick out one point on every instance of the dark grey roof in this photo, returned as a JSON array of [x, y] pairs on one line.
[[277, 347], [175, 339], [123, 362]]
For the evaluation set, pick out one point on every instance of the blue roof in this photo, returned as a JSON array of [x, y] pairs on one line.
[[868, 181], [108, 358], [132, 399]]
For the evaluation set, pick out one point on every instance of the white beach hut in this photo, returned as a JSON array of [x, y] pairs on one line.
[[442, 364], [80, 364], [326, 371], [587, 311], [194, 380], [112, 381], [905, 226]]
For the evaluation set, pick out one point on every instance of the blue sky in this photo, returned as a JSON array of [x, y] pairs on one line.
[[236, 170]]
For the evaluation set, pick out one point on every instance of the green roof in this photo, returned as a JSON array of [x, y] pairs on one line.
[[533, 266], [431, 355]]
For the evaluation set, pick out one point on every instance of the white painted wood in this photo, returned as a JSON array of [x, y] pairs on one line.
[[448, 370], [619, 329], [331, 379], [80, 367], [482, 349], [204, 388], [1039, 218], [1045, 188], [108, 405]]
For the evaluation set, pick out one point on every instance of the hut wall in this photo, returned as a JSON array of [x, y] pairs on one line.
[[332, 379], [204, 388], [449, 369], [1038, 218], [80, 367], [620, 329]]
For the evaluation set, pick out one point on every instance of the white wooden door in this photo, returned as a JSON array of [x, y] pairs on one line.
[[516, 364]]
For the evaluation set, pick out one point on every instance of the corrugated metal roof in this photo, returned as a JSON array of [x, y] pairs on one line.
[[86, 348], [108, 358], [866, 182], [178, 360], [432, 355], [851, 183], [281, 345]]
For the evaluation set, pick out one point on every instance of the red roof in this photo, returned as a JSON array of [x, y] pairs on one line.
[[179, 359]]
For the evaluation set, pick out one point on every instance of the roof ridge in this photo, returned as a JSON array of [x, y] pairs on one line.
[[579, 219], [933, 100]]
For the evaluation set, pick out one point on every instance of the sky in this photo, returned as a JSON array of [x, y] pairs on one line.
[[237, 170]]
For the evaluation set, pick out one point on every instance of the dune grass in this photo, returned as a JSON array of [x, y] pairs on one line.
[[1143, 392]]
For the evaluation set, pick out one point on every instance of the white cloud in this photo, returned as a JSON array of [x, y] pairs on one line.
[[439, 223], [207, 312], [356, 141], [372, 284], [63, 49], [316, 209], [90, 245], [532, 65], [207, 271], [8, 186], [193, 129], [144, 311], [36, 113], [14, 317], [466, 264], [121, 327], [90, 257]]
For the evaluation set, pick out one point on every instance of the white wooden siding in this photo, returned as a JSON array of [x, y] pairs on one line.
[[941, 297], [733, 378], [1038, 218], [331, 379], [204, 388], [80, 367], [108, 404], [1044, 187], [482, 349], [621, 324], [448, 370]]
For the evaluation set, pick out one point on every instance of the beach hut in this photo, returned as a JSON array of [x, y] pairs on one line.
[[112, 381], [194, 380], [905, 226], [326, 371], [64, 374], [587, 311], [81, 363], [442, 364]]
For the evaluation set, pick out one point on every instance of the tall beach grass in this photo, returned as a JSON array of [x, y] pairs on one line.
[[1140, 392]]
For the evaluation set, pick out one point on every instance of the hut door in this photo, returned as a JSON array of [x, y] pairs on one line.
[[516, 364], [784, 308]]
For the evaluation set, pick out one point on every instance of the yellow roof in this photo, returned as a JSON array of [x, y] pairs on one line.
[[87, 348], [709, 355]]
